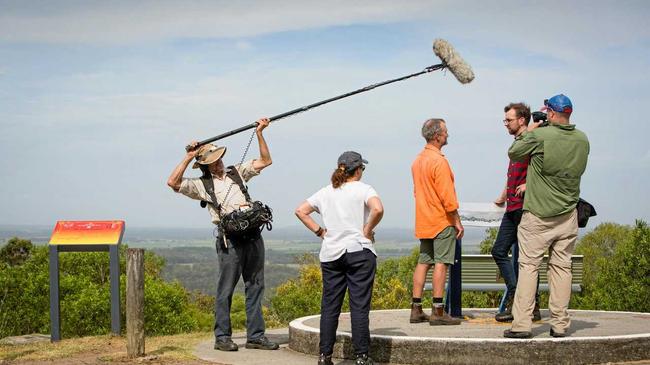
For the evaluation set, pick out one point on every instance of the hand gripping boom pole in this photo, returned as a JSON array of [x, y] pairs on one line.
[[450, 60]]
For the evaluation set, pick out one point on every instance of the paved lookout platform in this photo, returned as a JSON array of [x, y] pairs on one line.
[[595, 337]]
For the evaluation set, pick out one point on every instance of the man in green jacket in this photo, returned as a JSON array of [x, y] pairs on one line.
[[558, 158]]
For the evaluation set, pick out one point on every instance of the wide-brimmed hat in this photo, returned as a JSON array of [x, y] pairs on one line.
[[207, 154]]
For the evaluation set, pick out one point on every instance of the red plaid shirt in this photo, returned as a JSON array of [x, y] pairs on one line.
[[516, 176]]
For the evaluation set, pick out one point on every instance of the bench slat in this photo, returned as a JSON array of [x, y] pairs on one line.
[[480, 273]]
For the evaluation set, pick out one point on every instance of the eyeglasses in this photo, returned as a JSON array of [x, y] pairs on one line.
[[363, 168], [506, 121]]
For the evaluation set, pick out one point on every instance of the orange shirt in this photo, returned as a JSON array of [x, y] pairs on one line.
[[435, 195]]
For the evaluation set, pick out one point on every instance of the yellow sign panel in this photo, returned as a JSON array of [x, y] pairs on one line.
[[87, 233]]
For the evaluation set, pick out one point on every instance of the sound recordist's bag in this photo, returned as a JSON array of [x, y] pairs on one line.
[[585, 210], [243, 221]]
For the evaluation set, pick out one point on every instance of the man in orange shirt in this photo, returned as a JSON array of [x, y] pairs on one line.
[[437, 223]]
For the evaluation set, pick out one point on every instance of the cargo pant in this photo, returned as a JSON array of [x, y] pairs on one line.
[[558, 235]]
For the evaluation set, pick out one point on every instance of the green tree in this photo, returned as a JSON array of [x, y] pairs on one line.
[[618, 261], [85, 296], [598, 248], [15, 252], [301, 296], [487, 243]]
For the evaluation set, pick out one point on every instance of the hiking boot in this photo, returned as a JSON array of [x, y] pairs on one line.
[[557, 334], [363, 359], [441, 318], [417, 314], [506, 315], [513, 334], [262, 343], [537, 315], [325, 360], [225, 345]]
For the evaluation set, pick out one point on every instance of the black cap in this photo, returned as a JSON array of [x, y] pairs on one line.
[[351, 160]]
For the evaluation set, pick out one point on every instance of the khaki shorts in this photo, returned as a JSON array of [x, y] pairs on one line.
[[439, 250]]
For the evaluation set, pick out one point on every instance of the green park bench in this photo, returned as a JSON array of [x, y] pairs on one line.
[[480, 273]]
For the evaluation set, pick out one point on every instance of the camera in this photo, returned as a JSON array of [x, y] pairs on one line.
[[540, 117]]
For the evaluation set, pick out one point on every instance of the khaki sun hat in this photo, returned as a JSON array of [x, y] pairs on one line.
[[207, 154]]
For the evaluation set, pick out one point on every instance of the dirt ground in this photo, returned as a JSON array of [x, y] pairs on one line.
[[162, 350]]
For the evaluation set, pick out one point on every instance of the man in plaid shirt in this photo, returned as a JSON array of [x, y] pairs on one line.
[[517, 116]]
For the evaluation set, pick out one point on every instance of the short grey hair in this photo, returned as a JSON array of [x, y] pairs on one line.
[[431, 128]]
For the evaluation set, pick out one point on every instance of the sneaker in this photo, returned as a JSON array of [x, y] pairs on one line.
[[363, 359], [417, 314], [441, 318], [514, 334], [557, 334], [506, 315], [262, 343], [225, 345], [325, 360]]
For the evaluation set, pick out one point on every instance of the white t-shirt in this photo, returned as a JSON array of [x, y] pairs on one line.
[[344, 211]]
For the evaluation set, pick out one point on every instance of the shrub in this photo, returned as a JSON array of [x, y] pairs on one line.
[[85, 295]]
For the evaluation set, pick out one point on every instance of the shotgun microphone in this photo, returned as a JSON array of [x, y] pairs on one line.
[[450, 60], [453, 61]]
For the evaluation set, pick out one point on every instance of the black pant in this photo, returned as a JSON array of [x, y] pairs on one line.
[[244, 257], [354, 271]]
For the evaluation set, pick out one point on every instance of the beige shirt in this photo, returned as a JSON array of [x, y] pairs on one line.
[[193, 188]]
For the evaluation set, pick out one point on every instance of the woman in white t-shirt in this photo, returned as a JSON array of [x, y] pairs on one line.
[[350, 211]]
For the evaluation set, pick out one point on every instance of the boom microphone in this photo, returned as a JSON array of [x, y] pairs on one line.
[[453, 61], [450, 60]]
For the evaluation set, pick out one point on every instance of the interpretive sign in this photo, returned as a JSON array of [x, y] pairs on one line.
[[85, 236], [481, 214], [87, 233]]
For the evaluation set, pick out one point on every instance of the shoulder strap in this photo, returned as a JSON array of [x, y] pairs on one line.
[[208, 184], [236, 177]]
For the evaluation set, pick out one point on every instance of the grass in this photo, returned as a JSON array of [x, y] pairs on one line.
[[108, 348]]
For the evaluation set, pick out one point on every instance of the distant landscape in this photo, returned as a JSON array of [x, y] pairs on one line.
[[190, 254]]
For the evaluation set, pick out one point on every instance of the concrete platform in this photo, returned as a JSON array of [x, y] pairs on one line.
[[595, 337], [283, 356]]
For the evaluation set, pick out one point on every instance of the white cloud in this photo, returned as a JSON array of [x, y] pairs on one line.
[[573, 34], [134, 113], [130, 22], [244, 46]]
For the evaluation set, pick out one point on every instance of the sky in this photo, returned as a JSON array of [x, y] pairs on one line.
[[98, 99]]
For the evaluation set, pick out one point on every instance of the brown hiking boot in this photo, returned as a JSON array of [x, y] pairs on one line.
[[441, 318], [417, 314]]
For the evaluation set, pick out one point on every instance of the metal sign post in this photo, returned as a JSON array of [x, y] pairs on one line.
[[85, 236], [453, 302]]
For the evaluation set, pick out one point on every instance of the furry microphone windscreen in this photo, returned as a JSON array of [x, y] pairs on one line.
[[453, 61]]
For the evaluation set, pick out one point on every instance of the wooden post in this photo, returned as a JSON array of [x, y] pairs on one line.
[[135, 302]]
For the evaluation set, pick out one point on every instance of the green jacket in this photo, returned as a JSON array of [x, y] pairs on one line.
[[558, 158]]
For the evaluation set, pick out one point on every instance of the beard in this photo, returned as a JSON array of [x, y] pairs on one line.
[[217, 169]]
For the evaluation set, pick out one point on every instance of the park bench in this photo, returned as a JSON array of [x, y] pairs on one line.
[[480, 273]]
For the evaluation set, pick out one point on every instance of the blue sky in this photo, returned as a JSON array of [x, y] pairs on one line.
[[97, 99]]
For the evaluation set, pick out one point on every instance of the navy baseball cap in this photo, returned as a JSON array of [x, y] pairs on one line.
[[351, 160], [559, 103]]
